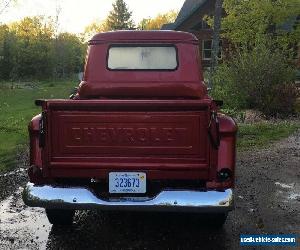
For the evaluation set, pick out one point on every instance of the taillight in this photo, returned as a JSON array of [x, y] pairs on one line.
[[224, 174]]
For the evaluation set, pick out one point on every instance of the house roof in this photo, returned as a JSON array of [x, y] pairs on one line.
[[189, 7], [168, 26]]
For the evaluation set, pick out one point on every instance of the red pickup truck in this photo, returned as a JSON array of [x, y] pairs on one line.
[[141, 133]]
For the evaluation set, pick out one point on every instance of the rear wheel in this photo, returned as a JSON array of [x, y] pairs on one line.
[[60, 216]]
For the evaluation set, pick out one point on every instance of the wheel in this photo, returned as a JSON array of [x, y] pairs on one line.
[[60, 216]]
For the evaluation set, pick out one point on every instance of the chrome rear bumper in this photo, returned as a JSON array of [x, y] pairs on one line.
[[81, 198]]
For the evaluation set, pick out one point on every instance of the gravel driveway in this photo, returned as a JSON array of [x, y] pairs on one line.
[[267, 201]]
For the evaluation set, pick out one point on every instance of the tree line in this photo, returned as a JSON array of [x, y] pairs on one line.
[[32, 48]]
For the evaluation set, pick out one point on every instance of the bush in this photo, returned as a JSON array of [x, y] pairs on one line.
[[260, 78]]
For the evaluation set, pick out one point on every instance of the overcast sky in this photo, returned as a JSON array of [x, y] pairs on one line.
[[76, 15]]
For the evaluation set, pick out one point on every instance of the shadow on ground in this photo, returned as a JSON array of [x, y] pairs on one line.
[[95, 230]]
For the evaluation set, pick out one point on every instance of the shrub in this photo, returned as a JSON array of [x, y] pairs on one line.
[[260, 78]]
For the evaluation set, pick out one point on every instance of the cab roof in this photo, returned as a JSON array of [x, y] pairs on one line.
[[134, 35]]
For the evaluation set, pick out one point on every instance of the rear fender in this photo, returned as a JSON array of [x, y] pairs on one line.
[[226, 151]]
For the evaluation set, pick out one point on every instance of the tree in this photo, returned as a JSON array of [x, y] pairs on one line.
[[33, 55], [259, 78], [95, 27], [119, 17], [249, 22], [56, 33], [259, 72], [69, 54], [31, 49], [7, 41], [157, 22]]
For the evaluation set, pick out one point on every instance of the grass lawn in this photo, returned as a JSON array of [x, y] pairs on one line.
[[16, 110], [261, 134]]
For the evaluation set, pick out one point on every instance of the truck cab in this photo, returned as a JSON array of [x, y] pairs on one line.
[[140, 134]]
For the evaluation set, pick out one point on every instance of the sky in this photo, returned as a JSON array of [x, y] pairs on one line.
[[76, 15]]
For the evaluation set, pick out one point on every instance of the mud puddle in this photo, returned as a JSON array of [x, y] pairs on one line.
[[22, 227]]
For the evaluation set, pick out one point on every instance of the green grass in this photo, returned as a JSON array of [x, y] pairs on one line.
[[262, 134], [16, 110]]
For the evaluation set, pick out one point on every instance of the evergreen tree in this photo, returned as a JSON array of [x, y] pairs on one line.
[[119, 17]]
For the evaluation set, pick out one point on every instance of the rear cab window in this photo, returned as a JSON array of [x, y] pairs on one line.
[[142, 57]]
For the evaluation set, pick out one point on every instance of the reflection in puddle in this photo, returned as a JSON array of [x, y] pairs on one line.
[[286, 186], [22, 227], [289, 192]]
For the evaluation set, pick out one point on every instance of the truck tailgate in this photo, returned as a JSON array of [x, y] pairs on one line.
[[91, 138]]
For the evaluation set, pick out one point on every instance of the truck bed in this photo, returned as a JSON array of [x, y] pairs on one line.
[[90, 138]]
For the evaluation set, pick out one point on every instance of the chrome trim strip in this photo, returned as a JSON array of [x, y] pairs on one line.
[[81, 198]]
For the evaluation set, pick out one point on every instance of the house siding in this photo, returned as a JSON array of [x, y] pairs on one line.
[[202, 34], [189, 16]]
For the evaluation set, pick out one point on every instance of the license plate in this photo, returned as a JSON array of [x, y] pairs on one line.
[[127, 182]]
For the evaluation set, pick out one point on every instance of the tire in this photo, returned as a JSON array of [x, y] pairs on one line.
[[60, 216]]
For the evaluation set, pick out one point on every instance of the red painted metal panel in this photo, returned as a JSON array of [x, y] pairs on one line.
[[186, 81], [131, 135], [146, 36], [151, 174]]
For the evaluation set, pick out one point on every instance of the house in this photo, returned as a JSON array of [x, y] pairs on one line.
[[288, 26], [190, 19]]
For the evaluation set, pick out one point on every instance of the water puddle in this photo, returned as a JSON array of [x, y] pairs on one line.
[[22, 227], [289, 192], [286, 186]]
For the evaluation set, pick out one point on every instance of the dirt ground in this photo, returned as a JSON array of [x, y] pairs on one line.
[[267, 200]]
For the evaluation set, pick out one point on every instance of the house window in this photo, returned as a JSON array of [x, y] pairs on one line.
[[207, 50]]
